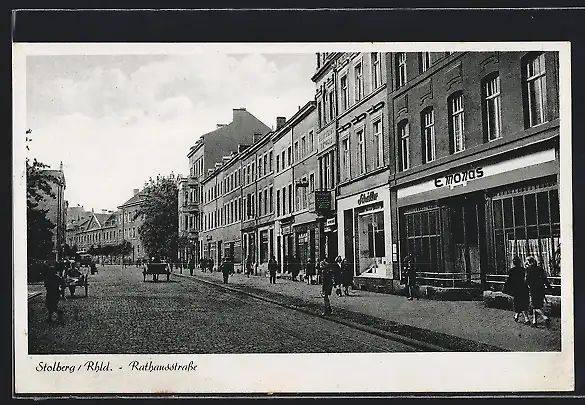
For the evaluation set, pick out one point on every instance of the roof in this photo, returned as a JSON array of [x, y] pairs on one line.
[[102, 218], [134, 200]]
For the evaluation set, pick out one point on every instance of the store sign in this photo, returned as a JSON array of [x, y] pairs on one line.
[[322, 201], [459, 178], [330, 222], [208, 237], [285, 230], [367, 197]]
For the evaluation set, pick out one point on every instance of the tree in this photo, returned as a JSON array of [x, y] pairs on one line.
[[39, 227], [159, 231]]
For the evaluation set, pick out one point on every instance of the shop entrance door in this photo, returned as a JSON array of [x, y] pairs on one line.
[[468, 234]]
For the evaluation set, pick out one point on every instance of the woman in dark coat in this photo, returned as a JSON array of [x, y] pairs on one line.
[[411, 277], [517, 288], [310, 270], [537, 285], [346, 276], [327, 287]]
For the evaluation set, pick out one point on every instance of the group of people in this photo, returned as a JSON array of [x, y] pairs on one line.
[[335, 274], [56, 278], [527, 285]]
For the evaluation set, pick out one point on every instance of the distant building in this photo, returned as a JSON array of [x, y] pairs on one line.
[[210, 148], [56, 207]]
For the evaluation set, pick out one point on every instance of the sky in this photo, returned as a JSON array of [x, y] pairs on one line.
[[117, 120]]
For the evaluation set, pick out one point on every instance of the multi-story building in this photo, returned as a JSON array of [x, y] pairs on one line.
[[130, 221], [210, 149], [56, 207], [475, 164], [188, 208], [353, 153], [307, 229]]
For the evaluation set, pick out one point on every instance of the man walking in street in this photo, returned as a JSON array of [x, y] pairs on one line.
[[272, 268], [53, 286], [226, 269], [327, 286]]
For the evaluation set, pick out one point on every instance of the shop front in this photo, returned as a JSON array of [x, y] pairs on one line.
[[364, 235], [464, 225], [286, 242], [307, 237]]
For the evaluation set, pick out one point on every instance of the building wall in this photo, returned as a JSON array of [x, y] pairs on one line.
[[523, 162]]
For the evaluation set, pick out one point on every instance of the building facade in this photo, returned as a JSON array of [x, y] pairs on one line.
[[210, 149], [56, 207], [130, 221], [354, 158], [475, 164]]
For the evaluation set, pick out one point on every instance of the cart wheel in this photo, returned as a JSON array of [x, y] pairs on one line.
[[72, 290], [86, 287]]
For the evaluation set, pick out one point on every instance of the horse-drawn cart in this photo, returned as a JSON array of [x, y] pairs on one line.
[[75, 277]]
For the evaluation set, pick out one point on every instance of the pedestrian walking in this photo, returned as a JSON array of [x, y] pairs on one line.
[[55, 287], [327, 285], [272, 268], [411, 278], [337, 275], [191, 266], [226, 270], [249, 266], [310, 271], [210, 264], [516, 287], [346, 276], [537, 284], [294, 267]]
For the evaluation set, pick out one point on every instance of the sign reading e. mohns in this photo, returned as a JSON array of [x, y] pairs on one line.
[[459, 178], [367, 197]]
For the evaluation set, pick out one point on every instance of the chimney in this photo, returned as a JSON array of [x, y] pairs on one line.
[[136, 191], [280, 122], [220, 125], [238, 112]]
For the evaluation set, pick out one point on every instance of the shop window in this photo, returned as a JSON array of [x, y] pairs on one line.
[[371, 242], [264, 250], [530, 227], [421, 239]]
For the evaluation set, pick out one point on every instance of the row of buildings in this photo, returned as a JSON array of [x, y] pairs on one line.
[[88, 229], [449, 157]]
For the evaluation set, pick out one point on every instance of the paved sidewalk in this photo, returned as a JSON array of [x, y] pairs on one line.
[[455, 325]]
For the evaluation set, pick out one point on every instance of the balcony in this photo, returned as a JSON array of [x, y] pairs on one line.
[[189, 206]]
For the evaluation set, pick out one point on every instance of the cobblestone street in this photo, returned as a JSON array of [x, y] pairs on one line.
[[122, 314]]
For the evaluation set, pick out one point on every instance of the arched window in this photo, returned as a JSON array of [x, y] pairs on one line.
[[404, 142]]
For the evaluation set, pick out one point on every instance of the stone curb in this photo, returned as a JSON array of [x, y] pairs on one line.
[[384, 334]]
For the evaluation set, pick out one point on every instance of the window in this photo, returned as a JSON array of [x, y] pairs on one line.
[[535, 89], [359, 84], [297, 199], [289, 155], [253, 171], [376, 71], [248, 174], [457, 125], [260, 167], [331, 96], [277, 163], [259, 203], [378, 143], [290, 198], [284, 201], [403, 132], [492, 109], [303, 147], [319, 114], [266, 206], [424, 61], [344, 93], [428, 120], [311, 141], [296, 151], [400, 69], [270, 195], [270, 159], [361, 150], [312, 182], [345, 159], [282, 160], [277, 203]]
